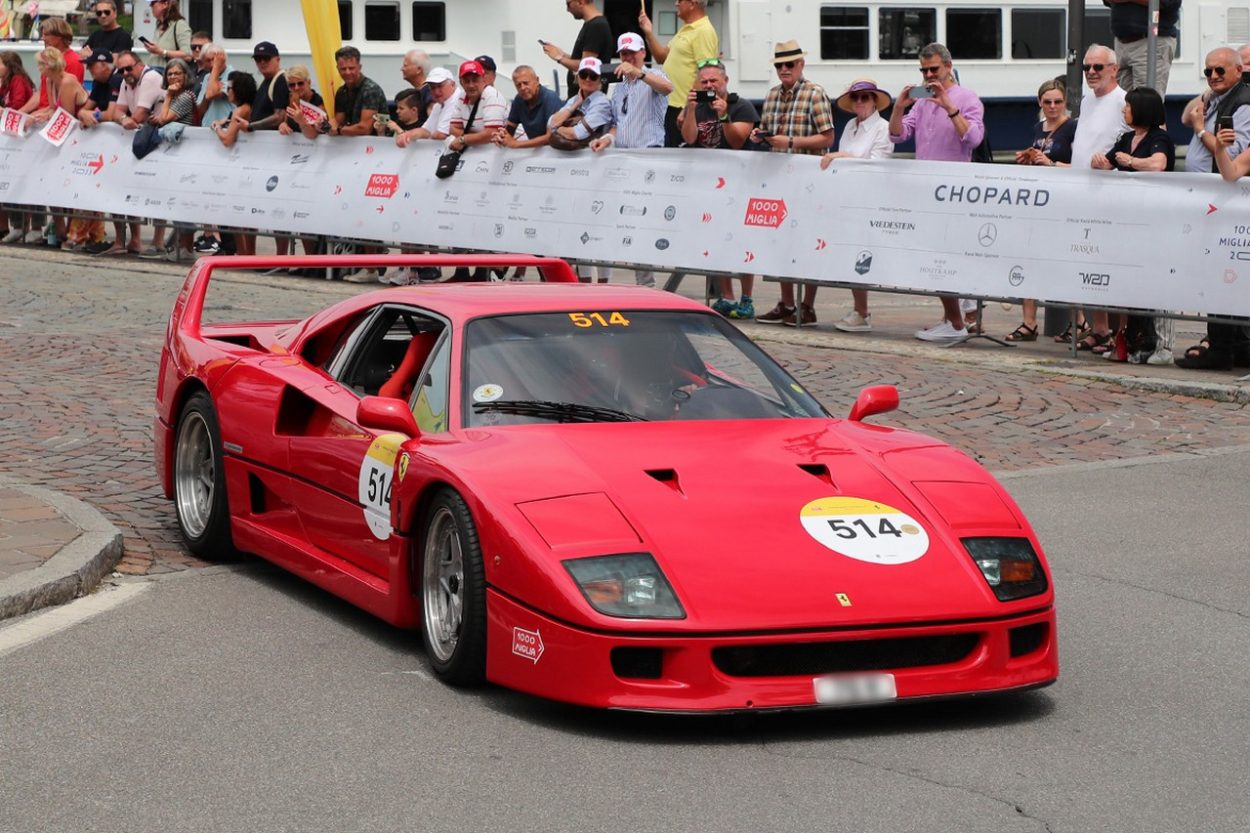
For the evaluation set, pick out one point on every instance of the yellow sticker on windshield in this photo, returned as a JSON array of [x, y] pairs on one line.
[[598, 319]]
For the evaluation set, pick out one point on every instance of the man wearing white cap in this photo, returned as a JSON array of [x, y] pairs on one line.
[[639, 102], [442, 86]]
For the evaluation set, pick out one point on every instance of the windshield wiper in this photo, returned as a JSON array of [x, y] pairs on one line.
[[559, 411]]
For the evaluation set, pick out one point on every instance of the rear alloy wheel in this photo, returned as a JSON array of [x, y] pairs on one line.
[[453, 592], [200, 481]]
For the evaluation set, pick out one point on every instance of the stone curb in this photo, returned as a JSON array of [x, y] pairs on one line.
[[74, 570]]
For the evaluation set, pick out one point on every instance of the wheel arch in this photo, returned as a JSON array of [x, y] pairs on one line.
[[189, 387]]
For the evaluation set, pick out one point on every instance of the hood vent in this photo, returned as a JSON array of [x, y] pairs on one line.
[[668, 477], [819, 471]]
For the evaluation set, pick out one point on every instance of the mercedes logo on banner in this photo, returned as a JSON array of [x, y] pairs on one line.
[[987, 235]]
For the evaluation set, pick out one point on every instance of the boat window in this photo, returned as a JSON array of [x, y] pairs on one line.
[[904, 32], [429, 21], [844, 33], [200, 16], [974, 33], [345, 19], [1097, 28], [666, 24], [236, 19], [1038, 33], [382, 20]]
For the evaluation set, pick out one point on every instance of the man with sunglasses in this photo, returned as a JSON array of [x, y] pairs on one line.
[[695, 41], [947, 122], [797, 118], [110, 36], [1129, 24], [272, 94], [1227, 96]]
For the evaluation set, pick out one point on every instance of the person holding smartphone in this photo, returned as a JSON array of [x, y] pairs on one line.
[[947, 123], [173, 35]]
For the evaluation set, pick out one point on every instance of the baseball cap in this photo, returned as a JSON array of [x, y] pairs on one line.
[[471, 68], [590, 65], [99, 56], [486, 61], [629, 41], [265, 49], [439, 75]]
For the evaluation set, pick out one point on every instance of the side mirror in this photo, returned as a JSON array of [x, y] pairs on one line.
[[878, 399], [382, 413]]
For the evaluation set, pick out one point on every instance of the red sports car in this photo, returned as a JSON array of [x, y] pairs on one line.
[[606, 495]]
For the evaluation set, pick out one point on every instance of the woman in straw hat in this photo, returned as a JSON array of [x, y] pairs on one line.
[[866, 137]]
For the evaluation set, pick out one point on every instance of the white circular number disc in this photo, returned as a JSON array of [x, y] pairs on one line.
[[374, 485], [865, 530], [487, 393]]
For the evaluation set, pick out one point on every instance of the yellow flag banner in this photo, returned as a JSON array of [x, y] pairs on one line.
[[321, 18]]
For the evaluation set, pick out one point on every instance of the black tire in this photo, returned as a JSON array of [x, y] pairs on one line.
[[453, 592], [200, 481]]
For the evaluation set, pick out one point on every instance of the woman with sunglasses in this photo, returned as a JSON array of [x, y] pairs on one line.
[[867, 136], [1052, 145], [173, 34]]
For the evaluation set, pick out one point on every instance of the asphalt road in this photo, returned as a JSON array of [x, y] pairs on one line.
[[185, 698], [237, 698]]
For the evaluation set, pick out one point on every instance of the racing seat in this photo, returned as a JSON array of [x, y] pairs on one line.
[[404, 379]]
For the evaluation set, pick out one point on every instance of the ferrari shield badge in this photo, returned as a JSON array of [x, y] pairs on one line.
[[865, 530], [374, 485]]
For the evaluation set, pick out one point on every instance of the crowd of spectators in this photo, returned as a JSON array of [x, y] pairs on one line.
[[616, 98]]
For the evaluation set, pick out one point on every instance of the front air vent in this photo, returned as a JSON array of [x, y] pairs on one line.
[[666, 476], [819, 471], [810, 658]]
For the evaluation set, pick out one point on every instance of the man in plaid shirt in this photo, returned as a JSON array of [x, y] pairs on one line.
[[797, 118]]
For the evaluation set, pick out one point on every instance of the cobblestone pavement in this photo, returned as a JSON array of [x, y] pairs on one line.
[[80, 339]]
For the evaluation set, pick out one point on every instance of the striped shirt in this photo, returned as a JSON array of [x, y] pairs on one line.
[[803, 110], [638, 113]]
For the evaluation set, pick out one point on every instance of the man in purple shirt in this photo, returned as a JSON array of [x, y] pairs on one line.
[[947, 122]]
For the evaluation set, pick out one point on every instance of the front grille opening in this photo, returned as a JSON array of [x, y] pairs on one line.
[[810, 658], [1027, 639], [637, 663]]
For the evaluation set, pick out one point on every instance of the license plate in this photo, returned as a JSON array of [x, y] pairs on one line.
[[854, 689]]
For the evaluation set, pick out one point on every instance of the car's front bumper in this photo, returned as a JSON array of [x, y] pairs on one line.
[[758, 671]]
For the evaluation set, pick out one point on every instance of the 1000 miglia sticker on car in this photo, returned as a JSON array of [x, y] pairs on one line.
[[865, 530]]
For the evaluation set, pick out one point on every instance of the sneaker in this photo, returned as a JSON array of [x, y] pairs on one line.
[[71, 246], [724, 306], [775, 315], [207, 245], [97, 248], [806, 316], [14, 236], [34, 236], [362, 276], [744, 310], [1160, 356], [942, 331], [398, 277], [855, 323], [153, 253], [430, 274]]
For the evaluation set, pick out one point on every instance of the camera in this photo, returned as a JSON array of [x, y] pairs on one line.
[[705, 96], [609, 74]]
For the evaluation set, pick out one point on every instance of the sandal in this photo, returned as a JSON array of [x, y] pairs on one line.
[[1202, 357], [1108, 347], [1082, 330], [1092, 340], [1023, 333]]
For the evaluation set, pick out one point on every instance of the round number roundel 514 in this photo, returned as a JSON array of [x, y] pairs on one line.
[[865, 530], [374, 484]]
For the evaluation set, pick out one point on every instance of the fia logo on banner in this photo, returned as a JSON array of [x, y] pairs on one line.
[[59, 127], [13, 122]]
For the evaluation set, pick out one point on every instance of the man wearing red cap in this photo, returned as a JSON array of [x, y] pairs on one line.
[[480, 111]]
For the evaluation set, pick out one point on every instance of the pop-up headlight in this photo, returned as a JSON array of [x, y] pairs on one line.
[[630, 586]]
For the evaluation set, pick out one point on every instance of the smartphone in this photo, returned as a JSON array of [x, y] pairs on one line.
[[542, 42], [763, 132], [144, 41], [921, 91], [1225, 123], [705, 96]]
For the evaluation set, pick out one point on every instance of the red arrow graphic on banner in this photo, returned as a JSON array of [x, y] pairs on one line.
[[820, 244], [380, 209], [96, 164], [720, 182], [1211, 209], [338, 189], [707, 218], [750, 257]]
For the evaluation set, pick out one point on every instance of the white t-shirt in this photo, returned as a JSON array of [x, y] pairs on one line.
[[492, 111], [145, 95], [1100, 124], [869, 139]]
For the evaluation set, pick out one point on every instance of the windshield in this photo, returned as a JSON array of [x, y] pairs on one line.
[[622, 366]]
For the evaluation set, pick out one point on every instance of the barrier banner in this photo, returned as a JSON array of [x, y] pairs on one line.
[[1169, 241]]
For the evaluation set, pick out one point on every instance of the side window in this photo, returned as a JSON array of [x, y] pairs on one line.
[[974, 33], [904, 32], [1038, 33], [433, 392], [345, 19], [382, 20], [383, 354], [429, 21], [844, 33], [236, 19]]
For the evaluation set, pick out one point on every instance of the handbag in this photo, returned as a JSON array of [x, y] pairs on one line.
[[147, 139], [562, 142], [449, 162]]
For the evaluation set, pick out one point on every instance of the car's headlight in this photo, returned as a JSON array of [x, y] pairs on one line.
[[1009, 565], [629, 586]]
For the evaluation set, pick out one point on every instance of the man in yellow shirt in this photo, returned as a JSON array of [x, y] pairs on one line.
[[695, 42]]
